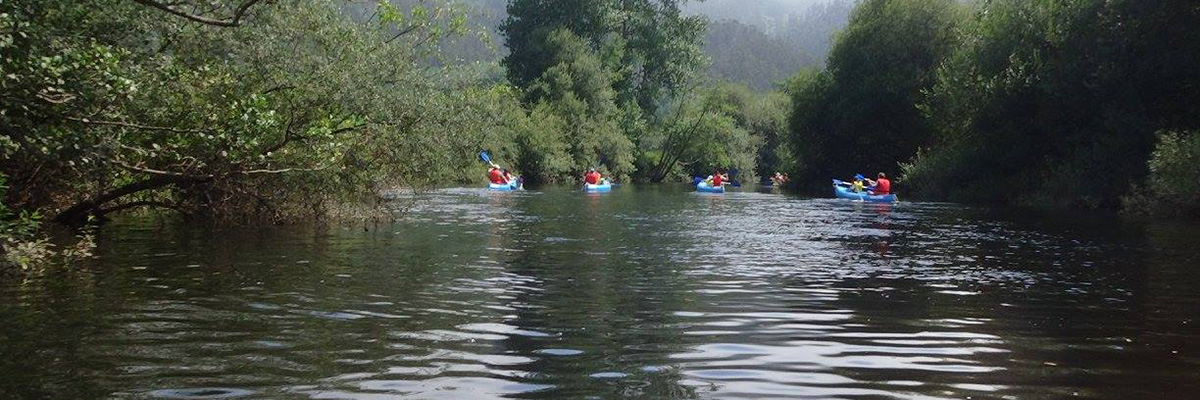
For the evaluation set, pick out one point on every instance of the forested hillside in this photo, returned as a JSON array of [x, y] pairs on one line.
[[745, 54], [759, 43]]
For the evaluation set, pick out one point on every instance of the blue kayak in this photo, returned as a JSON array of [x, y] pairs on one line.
[[842, 191], [706, 188], [604, 186], [515, 185]]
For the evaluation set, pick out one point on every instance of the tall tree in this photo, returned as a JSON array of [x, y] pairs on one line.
[[652, 48], [860, 114], [1059, 101]]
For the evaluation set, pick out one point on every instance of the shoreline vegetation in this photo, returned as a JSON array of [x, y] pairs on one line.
[[269, 112]]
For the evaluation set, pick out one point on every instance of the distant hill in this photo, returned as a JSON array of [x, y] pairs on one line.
[[761, 42], [745, 54], [765, 14]]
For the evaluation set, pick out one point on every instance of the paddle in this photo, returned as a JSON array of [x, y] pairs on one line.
[[483, 156]]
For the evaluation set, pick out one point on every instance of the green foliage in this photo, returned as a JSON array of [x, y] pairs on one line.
[[1057, 102], [1173, 186], [1175, 168], [651, 48], [575, 97], [111, 106], [699, 135], [764, 117], [860, 114]]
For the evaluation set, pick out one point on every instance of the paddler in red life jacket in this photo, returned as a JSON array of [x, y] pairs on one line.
[[718, 179], [881, 185], [592, 177], [496, 176]]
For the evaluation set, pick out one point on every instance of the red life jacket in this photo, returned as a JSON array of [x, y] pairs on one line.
[[717, 180], [883, 186], [495, 176]]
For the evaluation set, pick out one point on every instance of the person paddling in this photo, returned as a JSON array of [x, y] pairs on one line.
[[857, 185], [496, 176], [718, 179], [880, 185], [592, 177]]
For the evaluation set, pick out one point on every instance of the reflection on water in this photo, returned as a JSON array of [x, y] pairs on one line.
[[646, 292]]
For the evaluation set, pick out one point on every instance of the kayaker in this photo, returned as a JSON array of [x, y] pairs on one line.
[[496, 176], [779, 178], [592, 177], [718, 179], [508, 178], [881, 185], [857, 185]]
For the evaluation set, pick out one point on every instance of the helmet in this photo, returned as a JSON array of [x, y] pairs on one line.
[[859, 177]]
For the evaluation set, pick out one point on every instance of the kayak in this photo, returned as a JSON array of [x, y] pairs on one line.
[[515, 185], [706, 188], [604, 186], [843, 192]]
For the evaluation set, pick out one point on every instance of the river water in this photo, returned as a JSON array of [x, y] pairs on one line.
[[648, 292]]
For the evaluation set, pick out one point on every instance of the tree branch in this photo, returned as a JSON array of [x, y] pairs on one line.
[[135, 204], [134, 126], [77, 214], [403, 32], [238, 13], [156, 172]]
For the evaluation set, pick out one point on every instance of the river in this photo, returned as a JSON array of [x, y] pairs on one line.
[[648, 292]]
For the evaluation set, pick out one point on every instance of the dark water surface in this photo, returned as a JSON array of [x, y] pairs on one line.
[[647, 292]]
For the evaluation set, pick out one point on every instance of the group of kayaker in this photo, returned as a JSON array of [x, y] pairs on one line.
[[501, 176], [881, 185]]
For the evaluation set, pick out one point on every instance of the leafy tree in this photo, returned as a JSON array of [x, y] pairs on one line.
[[651, 47], [577, 89], [860, 114], [114, 105], [1058, 102], [699, 135], [764, 116]]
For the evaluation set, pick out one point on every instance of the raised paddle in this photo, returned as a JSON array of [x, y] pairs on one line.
[[483, 156]]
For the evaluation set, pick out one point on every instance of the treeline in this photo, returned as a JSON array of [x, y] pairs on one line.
[[251, 110], [618, 85], [234, 110], [1068, 103]]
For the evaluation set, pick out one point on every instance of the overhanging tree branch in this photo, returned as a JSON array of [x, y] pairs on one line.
[[133, 125], [238, 13]]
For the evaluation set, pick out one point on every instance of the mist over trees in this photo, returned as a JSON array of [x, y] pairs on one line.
[[745, 54], [760, 44]]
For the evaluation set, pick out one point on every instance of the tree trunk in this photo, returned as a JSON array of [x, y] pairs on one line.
[[77, 214]]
